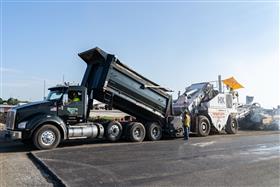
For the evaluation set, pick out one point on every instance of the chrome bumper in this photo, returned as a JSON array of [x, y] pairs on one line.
[[13, 135]]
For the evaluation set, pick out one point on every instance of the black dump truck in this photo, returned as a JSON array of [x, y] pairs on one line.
[[65, 112]]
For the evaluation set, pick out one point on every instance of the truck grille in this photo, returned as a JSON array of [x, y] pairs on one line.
[[10, 120]]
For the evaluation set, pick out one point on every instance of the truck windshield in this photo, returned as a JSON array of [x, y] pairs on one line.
[[55, 95]]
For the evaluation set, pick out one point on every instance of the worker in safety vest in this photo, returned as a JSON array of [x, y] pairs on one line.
[[74, 97], [186, 123]]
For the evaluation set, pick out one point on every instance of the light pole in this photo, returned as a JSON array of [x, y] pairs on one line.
[[44, 92]]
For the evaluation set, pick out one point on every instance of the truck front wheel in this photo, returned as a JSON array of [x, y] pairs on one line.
[[204, 126], [46, 137]]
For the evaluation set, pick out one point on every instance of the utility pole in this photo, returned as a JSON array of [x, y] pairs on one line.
[[220, 83], [44, 92], [63, 81]]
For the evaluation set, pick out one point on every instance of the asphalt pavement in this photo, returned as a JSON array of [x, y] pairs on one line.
[[246, 159]]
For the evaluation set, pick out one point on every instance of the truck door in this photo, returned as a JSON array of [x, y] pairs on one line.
[[72, 108]]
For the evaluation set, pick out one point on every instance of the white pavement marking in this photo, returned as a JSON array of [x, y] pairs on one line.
[[204, 144]]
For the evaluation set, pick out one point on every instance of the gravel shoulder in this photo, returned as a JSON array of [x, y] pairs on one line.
[[17, 169]]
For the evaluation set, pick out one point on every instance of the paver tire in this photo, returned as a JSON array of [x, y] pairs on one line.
[[231, 126], [204, 126]]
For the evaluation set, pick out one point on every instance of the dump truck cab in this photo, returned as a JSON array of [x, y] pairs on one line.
[[64, 106], [71, 102]]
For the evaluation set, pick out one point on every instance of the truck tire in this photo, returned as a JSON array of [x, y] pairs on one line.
[[204, 126], [46, 137], [113, 131], [231, 126], [136, 132], [127, 131], [154, 131]]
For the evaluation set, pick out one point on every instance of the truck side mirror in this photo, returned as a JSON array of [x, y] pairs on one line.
[[65, 99]]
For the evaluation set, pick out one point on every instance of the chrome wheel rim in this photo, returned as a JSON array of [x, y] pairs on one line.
[[48, 137], [114, 130]]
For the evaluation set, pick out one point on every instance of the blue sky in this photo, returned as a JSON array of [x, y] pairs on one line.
[[173, 44]]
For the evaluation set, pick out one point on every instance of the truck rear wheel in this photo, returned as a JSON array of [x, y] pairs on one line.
[[113, 131], [203, 126], [231, 126], [46, 137], [136, 132], [154, 131]]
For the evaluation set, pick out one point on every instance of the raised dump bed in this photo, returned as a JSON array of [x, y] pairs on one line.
[[110, 81]]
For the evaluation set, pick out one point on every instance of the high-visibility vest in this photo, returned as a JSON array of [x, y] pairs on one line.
[[76, 99], [187, 120]]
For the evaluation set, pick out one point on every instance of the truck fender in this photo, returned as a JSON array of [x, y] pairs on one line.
[[39, 120]]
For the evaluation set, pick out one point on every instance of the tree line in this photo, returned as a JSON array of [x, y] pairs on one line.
[[11, 101]]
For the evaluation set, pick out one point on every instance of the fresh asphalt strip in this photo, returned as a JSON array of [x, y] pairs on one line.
[[38, 162], [246, 159]]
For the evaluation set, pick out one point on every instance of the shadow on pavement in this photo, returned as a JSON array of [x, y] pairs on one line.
[[14, 147], [17, 146]]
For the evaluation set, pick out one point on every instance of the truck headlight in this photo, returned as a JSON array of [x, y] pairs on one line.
[[22, 125]]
